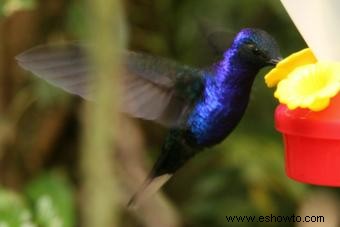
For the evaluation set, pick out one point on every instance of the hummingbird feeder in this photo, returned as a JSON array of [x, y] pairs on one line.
[[308, 86]]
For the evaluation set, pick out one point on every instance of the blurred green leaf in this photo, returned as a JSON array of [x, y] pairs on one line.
[[48, 94], [76, 18], [13, 210], [52, 201], [2, 2], [11, 6]]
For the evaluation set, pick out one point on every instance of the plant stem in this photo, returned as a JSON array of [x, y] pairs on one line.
[[100, 192]]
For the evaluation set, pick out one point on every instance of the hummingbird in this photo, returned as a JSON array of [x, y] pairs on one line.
[[200, 106]]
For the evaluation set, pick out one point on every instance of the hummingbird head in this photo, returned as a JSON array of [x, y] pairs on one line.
[[256, 48]]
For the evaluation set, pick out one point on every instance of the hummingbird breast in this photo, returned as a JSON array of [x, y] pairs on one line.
[[217, 113]]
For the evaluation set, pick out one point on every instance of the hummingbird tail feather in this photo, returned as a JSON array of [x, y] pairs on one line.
[[149, 187]]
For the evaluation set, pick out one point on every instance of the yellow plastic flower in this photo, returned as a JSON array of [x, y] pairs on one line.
[[303, 82], [310, 86], [287, 65]]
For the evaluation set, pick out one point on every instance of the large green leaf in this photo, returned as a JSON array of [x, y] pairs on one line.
[[51, 198], [13, 210]]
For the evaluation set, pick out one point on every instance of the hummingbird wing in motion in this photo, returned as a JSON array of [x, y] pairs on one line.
[[154, 88], [217, 37]]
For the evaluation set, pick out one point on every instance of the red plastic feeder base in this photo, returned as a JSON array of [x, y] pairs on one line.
[[312, 143]]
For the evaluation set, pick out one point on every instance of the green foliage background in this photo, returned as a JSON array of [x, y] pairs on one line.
[[242, 176]]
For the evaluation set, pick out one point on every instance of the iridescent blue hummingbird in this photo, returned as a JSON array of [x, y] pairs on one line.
[[200, 106]]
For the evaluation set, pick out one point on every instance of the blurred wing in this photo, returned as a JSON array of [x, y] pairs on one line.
[[220, 41], [64, 66], [153, 88], [218, 38]]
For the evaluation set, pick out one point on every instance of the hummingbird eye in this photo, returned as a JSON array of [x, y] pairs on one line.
[[253, 48], [250, 45], [256, 51]]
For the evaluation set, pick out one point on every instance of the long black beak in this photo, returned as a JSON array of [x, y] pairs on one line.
[[274, 61]]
